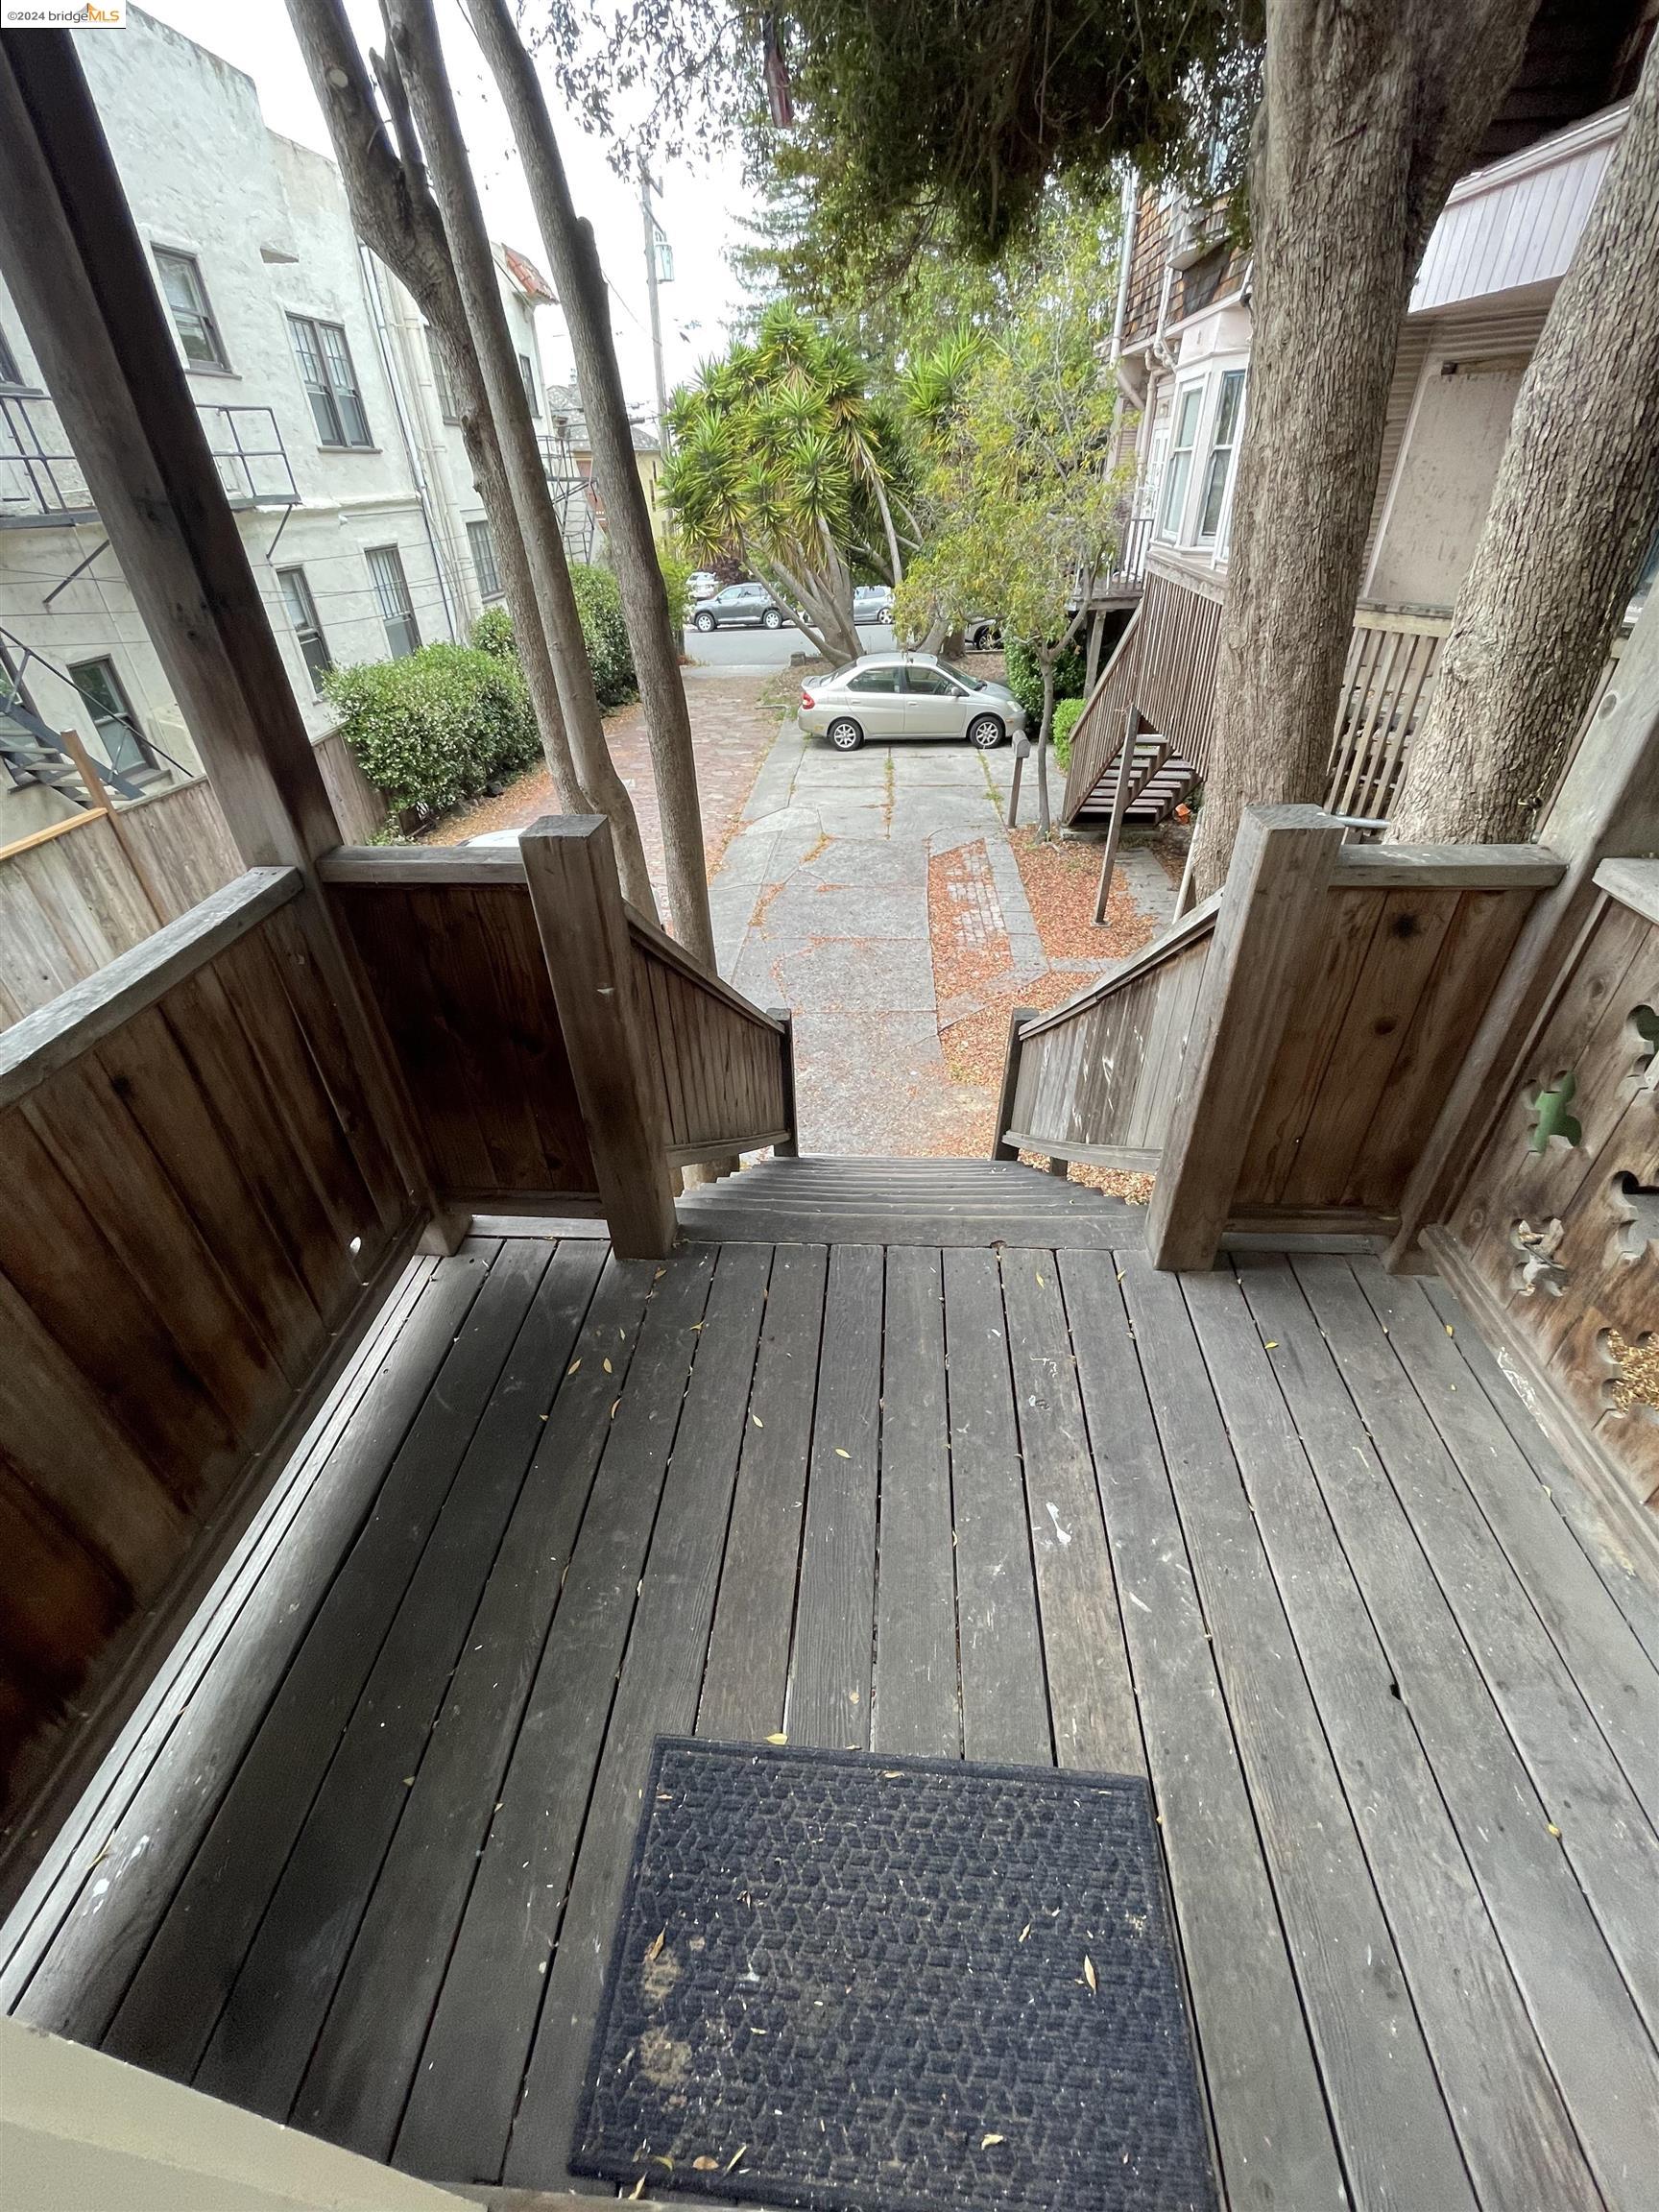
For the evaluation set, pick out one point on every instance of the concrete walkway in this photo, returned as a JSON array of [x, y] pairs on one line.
[[822, 905]]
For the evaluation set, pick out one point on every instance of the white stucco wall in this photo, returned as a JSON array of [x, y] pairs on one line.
[[268, 224]]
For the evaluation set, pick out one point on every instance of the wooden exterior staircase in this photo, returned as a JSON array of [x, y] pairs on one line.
[[943, 1203]]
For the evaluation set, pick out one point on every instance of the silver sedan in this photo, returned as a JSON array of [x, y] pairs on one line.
[[886, 695]]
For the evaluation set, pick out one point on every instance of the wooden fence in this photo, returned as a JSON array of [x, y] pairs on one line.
[[1554, 1240], [75, 896], [1280, 1055], [198, 1208]]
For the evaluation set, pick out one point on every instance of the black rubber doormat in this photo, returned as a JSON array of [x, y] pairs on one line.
[[896, 1985]]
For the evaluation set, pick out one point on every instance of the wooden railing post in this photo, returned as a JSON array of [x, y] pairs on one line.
[[790, 1148], [571, 871], [1271, 910], [1010, 1084]]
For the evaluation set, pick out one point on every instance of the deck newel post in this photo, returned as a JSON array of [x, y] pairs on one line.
[[571, 868], [75, 266], [790, 1148], [1268, 923], [1001, 1149]]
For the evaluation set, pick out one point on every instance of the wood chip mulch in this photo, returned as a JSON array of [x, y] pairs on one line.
[[975, 968]]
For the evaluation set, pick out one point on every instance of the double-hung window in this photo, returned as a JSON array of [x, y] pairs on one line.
[[125, 745], [1223, 446], [9, 373], [330, 381], [307, 629], [530, 391], [484, 568], [186, 298], [1178, 470], [397, 608]]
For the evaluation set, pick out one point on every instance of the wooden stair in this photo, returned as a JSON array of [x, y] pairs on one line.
[[1160, 779], [945, 1203]]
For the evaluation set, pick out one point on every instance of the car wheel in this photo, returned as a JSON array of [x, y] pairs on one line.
[[845, 734], [772, 619], [705, 621], [985, 731]]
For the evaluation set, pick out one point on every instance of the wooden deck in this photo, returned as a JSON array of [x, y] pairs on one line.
[[1280, 1536]]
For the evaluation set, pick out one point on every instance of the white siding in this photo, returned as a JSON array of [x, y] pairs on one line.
[[1517, 223]]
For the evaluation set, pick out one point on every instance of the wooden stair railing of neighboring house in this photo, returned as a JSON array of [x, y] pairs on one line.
[[1278, 1056]]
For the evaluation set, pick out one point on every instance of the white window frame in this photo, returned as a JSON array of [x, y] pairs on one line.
[[394, 598], [300, 606], [330, 380], [1216, 537], [200, 311], [481, 545], [1175, 492]]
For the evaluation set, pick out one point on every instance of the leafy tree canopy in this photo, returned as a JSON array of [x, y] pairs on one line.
[[946, 116], [782, 455]]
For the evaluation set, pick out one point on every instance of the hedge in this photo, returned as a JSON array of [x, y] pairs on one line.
[[599, 604], [435, 728], [1066, 714], [1025, 678]]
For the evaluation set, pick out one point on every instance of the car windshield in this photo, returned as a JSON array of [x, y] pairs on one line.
[[963, 677]]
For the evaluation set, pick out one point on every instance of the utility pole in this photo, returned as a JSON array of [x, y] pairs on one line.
[[652, 234]]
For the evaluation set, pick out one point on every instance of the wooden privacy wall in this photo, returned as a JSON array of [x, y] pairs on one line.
[[458, 971], [1380, 1016], [194, 1204], [72, 904], [721, 1062], [1555, 1238], [1097, 1078]]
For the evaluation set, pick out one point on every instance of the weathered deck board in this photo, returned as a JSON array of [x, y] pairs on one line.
[[1328, 1603]]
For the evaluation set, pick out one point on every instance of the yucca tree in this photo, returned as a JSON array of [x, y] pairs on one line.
[[785, 458]]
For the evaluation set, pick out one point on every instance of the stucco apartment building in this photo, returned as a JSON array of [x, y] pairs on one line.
[[323, 402]]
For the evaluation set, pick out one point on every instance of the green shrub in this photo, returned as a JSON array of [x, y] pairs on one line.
[[1065, 715], [600, 603], [493, 633], [677, 571], [433, 729], [1025, 678]]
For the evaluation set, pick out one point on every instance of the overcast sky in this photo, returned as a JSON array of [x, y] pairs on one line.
[[696, 205]]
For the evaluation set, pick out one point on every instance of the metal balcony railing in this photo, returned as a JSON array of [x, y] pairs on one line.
[[42, 481]]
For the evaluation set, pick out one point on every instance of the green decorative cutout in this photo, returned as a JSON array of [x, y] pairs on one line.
[[1551, 1119]]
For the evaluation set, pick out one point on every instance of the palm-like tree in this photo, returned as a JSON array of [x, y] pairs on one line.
[[783, 457]]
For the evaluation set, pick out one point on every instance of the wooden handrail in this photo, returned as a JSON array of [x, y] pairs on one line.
[[1199, 923], [1634, 883], [81, 1016], [416, 867], [1446, 867]]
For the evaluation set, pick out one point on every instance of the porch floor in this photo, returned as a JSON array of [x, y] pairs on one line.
[[1281, 1537]]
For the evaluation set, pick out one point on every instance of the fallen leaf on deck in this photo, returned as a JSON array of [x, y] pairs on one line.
[[607, 1366], [705, 2164], [637, 2191], [986, 2141], [654, 1949], [1089, 1972], [756, 1418], [840, 1455], [574, 1364], [735, 2156], [779, 1738]]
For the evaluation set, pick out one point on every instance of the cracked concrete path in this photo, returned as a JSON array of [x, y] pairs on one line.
[[821, 904]]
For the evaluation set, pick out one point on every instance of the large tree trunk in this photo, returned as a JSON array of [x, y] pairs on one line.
[[1571, 514], [393, 212], [1370, 111], [413, 31], [580, 282]]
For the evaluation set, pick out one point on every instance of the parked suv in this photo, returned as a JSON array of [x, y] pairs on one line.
[[884, 695], [740, 607]]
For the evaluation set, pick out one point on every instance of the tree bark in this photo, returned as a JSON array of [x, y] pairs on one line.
[[580, 282], [1370, 111], [393, 212], [418, 52], [1571, 514]]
